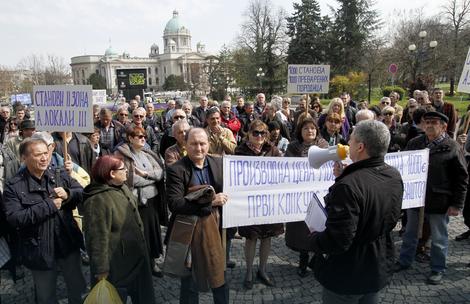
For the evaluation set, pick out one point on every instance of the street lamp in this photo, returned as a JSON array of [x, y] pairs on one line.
[[260, 75], [420, 52]]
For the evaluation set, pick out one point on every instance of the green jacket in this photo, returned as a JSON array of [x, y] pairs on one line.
[[114, 233]]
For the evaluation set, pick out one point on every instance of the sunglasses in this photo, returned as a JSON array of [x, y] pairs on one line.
[[139, 116], [258, 133], [388, 114], [123, 114], [140, 136], [179, 117], [385, 103]]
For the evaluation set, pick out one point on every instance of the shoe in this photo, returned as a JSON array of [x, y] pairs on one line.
[[302, 272], [156, 272], [265, 280], [422, 257], [435, 278], [231, 264], [463, 236], [399, 267], [248, 284], [401, 231]]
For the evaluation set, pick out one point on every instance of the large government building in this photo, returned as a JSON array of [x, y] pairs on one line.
[[133, 75]]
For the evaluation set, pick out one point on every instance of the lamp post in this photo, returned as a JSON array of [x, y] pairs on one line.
[[260, 75], [420, 52]]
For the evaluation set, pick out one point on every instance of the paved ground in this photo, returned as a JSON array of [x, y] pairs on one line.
[[406, 287]]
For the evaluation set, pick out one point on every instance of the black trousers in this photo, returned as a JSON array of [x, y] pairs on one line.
[[190, 295]]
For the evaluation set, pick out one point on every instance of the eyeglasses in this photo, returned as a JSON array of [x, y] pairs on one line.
[[385, 103], [123, 114], [139, 116], [257, 133], [388, 114], [179, 117], [140, 136], [119, 169]]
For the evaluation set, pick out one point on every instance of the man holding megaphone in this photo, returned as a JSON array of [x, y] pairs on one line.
[[355, 253]]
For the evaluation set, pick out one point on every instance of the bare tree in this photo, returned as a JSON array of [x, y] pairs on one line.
[[56, 71], [6, 82], [457, 15], [35, 65]]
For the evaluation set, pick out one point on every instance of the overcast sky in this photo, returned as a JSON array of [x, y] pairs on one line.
[[68, 28]]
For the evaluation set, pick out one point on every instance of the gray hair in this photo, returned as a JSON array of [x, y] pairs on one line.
[[225, 103], [385, 99], [45, 136], [374, 135], [177, 124], [364, 114], [139, 110]]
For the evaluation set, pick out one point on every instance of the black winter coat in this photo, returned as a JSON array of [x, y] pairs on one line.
[[355, 253], [447, 175], [29, 209]]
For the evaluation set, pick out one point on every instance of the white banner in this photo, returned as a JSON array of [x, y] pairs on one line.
[[267, 190], [464, 82], [99, 97], [306, 79], [63, 108]]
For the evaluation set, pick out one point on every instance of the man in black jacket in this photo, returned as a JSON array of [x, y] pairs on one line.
[[446, 188], [38, 203], [354, 254]]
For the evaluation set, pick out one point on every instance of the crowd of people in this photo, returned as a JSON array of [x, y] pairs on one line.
[[103, 202]]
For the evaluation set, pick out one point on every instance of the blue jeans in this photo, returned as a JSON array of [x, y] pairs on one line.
[[439, 237]]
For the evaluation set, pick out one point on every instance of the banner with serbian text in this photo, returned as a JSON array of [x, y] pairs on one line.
[[65, 108], [267, 190], [308, 78]]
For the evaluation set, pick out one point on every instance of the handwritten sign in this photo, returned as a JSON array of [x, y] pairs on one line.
[[306, 79], [267, 190], [63, 108], [24, 99], [464, 82]]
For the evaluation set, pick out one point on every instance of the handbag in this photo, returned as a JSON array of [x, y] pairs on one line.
[[177, 261]]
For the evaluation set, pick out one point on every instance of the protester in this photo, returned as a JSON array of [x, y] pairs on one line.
[[336, 106], [239, 109], [445, 108], [260, 104], [13, 130], [316, 106], [152, 139], [167, 139], [200, 111], [178, 150], [276, 138], [354, 254], [258, 145], [271, 113], [123, 116], [192, 120], [229, 120], [397, 138], [94, 139], [39, 207], [286, 115], [246, 118], [446, 188], [331, 130], [111, 131], [113, 229], [394, 98], [78, 148], [349, 108], [207, 253], [221, 140], [145, 171], [297, 233]]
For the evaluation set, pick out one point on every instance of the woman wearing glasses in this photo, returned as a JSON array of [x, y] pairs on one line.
[[397, 138], [114, 238], [145, 172], [257, 144]]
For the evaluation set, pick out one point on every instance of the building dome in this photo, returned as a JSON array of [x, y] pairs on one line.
[[110, 52], [174, 25]]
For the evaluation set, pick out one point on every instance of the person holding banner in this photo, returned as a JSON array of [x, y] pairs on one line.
[[446, 188], [257, 144], [354, 254], [297, 233], [198, 169]]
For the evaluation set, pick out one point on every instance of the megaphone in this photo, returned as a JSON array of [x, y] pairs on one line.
[[318, 156]]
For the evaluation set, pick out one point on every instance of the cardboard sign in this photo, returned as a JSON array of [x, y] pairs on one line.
[[306, 79]]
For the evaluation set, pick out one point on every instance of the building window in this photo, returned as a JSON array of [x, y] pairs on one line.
[[164, 70], [156, 71], [150, 81], [83, 73], [97, 71], [150, 70], [83, 81], [156, 81], [181, 69]]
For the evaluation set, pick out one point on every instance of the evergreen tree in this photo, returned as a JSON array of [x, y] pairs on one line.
[[353, 26], [97, 81], [309, 34]]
